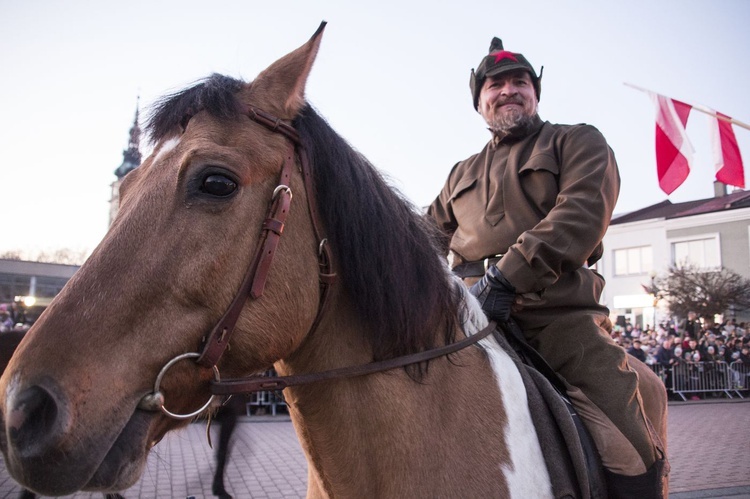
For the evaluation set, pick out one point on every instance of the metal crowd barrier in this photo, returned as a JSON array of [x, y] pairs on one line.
[[705, 377]]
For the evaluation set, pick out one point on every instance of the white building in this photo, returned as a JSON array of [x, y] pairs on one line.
[[708, 233]]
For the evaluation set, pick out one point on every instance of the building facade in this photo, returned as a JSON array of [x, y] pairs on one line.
[[709, 234], [41, 281]]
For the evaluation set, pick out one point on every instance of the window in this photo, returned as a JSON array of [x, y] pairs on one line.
[[633, 261], [49, 287], [702, 253], [12, 286]]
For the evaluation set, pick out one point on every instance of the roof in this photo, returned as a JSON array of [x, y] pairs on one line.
[[668, 210]]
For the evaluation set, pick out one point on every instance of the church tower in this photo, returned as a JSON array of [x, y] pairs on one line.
[[131, 159]]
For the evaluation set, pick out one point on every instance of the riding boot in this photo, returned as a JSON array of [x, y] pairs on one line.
[[649, 485]]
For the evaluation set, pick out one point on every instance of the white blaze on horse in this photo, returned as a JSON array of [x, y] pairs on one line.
[[198, 242]]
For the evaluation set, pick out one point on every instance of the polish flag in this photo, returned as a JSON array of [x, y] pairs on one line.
[[674, 153], [727, 159]]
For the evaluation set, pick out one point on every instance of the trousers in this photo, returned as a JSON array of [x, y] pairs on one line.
[[617, 396]]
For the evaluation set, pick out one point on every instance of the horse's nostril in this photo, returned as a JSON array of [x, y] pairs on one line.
[[33, 419]]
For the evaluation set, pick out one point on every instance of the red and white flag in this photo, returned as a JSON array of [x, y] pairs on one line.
[[674, 153], [727, 159]]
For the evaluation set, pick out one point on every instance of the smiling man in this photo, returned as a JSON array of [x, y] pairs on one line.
[[525, 218]]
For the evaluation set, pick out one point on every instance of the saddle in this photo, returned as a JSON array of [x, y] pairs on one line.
[[570, 454]]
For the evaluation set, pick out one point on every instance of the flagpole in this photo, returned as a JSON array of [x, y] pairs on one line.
[[698, 107]]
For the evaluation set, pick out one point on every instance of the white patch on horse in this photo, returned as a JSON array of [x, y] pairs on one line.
[[166, 147], [527, 475]]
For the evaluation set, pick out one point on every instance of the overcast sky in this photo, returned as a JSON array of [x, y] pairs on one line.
[[391, 77]]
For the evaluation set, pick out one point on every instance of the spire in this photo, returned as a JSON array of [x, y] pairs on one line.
[[131, 157]]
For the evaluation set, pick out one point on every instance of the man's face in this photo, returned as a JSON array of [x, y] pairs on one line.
[[508, 101]]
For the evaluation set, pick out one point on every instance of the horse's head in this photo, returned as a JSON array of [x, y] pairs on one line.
[[189, 225]]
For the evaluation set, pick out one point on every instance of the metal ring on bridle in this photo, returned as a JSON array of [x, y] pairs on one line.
[[155, 400], [280, 188]]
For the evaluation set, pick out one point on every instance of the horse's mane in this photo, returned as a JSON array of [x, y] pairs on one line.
[[385, 251], [215, 94]]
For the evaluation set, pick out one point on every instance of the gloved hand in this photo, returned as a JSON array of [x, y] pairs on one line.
[[495, 294]]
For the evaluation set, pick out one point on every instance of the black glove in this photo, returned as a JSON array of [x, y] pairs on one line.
[[495, 294]]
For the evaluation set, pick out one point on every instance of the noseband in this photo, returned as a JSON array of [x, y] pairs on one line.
[[216, 342]]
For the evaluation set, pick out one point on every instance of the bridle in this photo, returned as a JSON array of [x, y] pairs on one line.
[[216, 342]]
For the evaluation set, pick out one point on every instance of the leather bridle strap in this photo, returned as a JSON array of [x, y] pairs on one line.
[[257, 274], [254, 282], [264, 383], [274, 124]]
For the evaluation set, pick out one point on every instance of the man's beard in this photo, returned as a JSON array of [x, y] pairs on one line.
[[512, 122], [515, 124]]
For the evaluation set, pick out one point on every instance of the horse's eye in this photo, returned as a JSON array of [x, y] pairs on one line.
[[218, 185]]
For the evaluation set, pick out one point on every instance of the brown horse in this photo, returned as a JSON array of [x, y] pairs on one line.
[[80, 406]]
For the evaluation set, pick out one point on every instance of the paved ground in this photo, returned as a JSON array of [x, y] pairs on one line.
[[709, 447]]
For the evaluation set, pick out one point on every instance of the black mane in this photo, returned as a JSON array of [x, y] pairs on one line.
[[215, 94], [386, 254]]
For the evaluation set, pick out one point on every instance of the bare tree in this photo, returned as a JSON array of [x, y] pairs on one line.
[[705, 292], [11, 255]]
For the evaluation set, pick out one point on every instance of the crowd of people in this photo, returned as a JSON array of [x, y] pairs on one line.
[[691, 342], [12, 318]]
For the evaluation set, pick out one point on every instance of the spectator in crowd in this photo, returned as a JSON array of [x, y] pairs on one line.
[[730, 326], [636, 351], [665, 354], [650, 347], [744, 356], [628, 333], [637, 331], [17, 313], [741, 329], [691, 325], [707, 341], [679, 355], [711, 354], [691, 352], [733, 350], [6, 323]]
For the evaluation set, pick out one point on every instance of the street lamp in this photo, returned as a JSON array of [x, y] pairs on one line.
[[652, 275]]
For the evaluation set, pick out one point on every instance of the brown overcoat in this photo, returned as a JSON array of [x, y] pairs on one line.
[[544, 201]]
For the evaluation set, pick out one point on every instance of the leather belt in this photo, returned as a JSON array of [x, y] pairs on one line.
[[476, 268]]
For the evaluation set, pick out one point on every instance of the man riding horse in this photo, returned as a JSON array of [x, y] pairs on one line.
[[526, 217]]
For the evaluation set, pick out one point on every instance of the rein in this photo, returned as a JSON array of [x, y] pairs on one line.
[[253, 284], [253, 384]]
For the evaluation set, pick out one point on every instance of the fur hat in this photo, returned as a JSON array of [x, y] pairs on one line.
[[500, 61]]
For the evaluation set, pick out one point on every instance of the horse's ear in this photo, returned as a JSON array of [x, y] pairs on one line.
[[280, 88]]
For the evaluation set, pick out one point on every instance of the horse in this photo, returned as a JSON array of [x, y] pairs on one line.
[[210, 273]]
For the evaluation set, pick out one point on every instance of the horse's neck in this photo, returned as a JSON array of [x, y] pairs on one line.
[[388, 435]]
